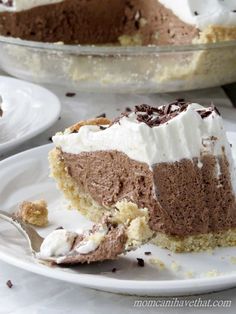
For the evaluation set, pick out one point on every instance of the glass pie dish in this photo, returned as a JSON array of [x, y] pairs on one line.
[[139, 69]]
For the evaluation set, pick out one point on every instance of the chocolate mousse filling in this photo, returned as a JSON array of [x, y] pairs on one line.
[[183, 198], [109, 22]]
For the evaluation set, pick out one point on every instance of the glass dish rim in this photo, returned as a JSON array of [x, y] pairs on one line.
[[111, 49]]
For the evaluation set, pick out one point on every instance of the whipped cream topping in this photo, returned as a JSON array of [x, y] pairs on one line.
[[57, 243], [187, 135], [203, 13], [21, 5]]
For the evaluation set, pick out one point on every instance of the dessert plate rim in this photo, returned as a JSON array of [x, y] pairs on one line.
[[40, 96], [124, 286]]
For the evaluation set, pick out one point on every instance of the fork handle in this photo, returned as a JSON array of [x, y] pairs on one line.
[[31, 235]]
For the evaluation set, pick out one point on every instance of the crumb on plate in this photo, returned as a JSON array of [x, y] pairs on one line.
[[175, 266], [212, 273], [34, 213], [189, 274], [233, 260], [157, 262]]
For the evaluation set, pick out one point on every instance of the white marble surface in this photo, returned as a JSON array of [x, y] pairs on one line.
[[35, 294]]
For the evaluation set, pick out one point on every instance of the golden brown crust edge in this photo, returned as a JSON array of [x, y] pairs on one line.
[[196, 243], [216, 34], [96, 121]]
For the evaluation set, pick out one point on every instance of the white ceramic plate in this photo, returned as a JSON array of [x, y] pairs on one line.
[[25, 176], [28, 110]]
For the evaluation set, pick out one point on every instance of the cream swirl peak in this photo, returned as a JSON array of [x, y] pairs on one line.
[[21, 5], [203, 13]]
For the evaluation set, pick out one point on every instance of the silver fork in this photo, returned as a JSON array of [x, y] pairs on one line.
[[31, 235]]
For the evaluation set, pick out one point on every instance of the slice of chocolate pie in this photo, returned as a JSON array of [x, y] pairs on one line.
[[164, 172]]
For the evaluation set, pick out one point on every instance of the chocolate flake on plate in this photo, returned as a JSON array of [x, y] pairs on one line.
[[59, 228], [9, 284], [70, 94], [140, 262], [102, 128], [102, 115]]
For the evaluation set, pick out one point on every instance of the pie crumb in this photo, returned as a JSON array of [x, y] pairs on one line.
[[34, 213], [175, 266], [189, 274], [212, 273], [157, 262], [233, 260]]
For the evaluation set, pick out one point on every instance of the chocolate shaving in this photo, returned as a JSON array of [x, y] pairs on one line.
[[59, 228], [167, 109], [207, 112], [204, 114], [136, 24], [148, 253], [140, 262], [156, 121], [70, 94], [102, 127], [117, 120], [9, 284], [214, 108], [102, 115], [114, 270], [155, 116]]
